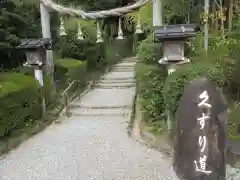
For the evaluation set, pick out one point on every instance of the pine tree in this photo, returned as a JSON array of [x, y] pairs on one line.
[[11, 26]]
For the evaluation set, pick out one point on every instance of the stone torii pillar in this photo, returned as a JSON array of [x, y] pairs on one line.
[[46, 33], [157, 12]]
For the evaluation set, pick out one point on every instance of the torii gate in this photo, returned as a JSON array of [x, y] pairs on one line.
[[46, 6], [179, 31]]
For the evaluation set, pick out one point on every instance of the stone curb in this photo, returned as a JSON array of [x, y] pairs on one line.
[[150, 139], [144, 137], [132, 114]]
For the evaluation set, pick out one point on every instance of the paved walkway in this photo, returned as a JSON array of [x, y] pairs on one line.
[[93, 144]]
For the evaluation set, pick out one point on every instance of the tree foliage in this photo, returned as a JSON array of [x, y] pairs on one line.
[[12, 26]]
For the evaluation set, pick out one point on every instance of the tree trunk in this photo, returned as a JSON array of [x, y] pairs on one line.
[[206, 13], [230, 16], [214, 21], [222, 21]]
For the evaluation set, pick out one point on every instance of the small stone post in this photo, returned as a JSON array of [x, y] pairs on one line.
[[39, 77]]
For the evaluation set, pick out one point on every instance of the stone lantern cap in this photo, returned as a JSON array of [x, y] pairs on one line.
[[175, 32], [35, 50], [35, 44]]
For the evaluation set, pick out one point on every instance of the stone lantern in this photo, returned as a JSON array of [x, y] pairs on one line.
[[35, 50], [173, 38]]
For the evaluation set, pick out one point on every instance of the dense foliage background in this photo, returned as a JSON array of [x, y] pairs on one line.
[[80, 60]]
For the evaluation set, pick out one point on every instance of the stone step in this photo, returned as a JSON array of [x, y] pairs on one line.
[[99, 114], [123, 70], [117, 79], [132, 61], [117, 86], [116, 82], [107, 110], [90, 107], [125, 66]]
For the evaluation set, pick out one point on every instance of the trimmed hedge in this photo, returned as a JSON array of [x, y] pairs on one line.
[[68, 70], [50, 99], [111, 56], [124, 47], [19, 101]]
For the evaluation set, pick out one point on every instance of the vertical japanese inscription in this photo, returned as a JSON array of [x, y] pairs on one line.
[[205, 107], [200, 142]]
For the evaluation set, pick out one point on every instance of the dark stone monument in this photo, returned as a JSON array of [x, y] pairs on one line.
[[199, 152]]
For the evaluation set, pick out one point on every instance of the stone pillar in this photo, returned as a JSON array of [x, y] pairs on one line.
[[157, 12], [46, 33]]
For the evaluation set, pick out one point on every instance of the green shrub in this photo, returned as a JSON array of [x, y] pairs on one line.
[[224, 52], [111, 56], [150, 80], [19, 101], [217, 49], [148, 51], [68, 70], [234, 121], [107, 56], [95, 55], [175, 82], [124, 47], [71, 47], [69, 63]]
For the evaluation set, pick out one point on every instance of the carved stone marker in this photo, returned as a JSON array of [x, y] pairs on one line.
[[199, 152]]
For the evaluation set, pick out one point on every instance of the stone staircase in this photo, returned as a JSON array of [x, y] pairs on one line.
[[121, 80]]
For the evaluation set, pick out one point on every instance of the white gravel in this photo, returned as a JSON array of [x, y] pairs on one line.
[[90, 145]]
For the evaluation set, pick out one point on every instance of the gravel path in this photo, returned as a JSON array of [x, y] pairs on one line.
[[93, 144]]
